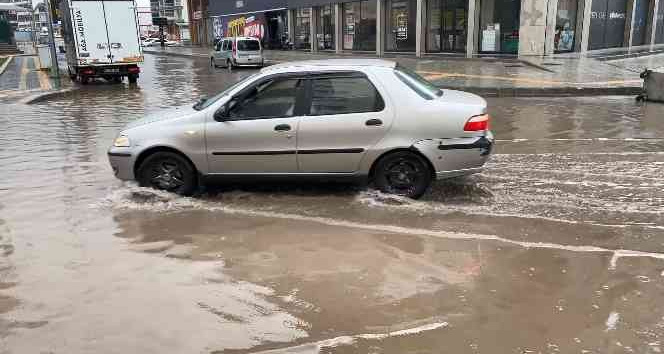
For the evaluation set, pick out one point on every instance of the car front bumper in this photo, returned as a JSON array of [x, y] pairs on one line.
[[457, 157], [122, 163]]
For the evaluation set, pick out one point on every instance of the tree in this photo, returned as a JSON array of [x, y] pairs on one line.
[[5, 31]]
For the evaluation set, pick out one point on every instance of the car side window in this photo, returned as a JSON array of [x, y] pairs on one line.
[[270, 99], [344, 95], [217, 47]]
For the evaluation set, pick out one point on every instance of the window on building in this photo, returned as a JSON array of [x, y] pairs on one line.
[[565, 26], [359, 21], [400, 31], [302, 38], [325, 27], [499, 26], [447, 28]]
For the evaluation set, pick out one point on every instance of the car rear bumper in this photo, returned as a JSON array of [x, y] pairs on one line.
[[457, 157], [122, 163], [249, 61]]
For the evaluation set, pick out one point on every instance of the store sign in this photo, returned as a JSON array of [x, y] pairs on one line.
[[402, 27], [246, 26]]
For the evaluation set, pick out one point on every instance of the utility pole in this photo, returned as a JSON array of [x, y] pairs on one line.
[[55, 71]]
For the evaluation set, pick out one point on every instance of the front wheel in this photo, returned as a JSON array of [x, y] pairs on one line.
[[403, 173], [168, 171]]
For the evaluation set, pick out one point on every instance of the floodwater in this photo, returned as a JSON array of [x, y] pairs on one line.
[[557, 247]]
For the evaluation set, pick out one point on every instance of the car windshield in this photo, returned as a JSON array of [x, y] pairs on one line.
[[248, 45], [416, 82], [207, 102]]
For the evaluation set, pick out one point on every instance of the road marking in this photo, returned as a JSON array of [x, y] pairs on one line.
[[23, 83], [44, 82]]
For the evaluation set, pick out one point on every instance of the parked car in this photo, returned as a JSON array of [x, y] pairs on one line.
[[343, 118], [236, 51], [155, 42]]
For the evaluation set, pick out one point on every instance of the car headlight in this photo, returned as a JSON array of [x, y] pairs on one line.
[[122, 141]]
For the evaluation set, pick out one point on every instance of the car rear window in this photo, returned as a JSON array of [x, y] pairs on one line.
[[417, 83], [248, 45]]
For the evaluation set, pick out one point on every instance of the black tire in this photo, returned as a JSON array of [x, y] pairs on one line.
[[132, 79], [84, 79], [167, 171], [402, 173], [117, 79]]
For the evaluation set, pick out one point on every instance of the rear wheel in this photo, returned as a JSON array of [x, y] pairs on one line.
[[132, 79], [168, 171], [403, 173], [84, 79]]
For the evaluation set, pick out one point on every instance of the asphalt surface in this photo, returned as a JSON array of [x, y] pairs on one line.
[[558, 247]]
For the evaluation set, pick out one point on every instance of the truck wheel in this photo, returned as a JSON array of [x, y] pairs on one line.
[[117, 79], [132, 79], [168, 171], [84, 79]]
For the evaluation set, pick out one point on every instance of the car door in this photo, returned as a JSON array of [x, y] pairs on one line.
[[346, 117], [259, 128]]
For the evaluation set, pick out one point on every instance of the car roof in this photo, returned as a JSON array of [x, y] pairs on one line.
[[330, 64]]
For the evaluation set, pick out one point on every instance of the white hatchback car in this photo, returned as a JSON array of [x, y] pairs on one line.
[[346, 118]]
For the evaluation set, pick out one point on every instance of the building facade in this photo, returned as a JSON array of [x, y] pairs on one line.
[[461, 27], [175, 11]]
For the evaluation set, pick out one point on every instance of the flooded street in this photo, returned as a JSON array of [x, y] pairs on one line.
[[557, 247]]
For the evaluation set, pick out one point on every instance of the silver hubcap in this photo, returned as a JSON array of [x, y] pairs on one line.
[[167, 175]]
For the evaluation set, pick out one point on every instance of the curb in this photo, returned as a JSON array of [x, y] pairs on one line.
[[40, 97], [6, 64]]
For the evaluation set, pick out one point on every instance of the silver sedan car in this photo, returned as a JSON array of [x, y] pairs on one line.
[[347, 118]]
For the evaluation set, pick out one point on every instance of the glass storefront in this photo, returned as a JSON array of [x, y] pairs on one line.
[[565, 26], [499, 26], [640, 30], [325, 27], [447, 28], [302, 28], [607, 24], [659, 31], [359, 25], [400, 31]]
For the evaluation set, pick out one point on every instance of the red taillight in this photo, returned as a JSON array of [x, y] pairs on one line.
[[477, 123], [134, 70]]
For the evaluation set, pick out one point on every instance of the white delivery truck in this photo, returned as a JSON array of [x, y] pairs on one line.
[[102, 39]]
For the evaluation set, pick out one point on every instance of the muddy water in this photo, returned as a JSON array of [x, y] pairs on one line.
[[556, 247]]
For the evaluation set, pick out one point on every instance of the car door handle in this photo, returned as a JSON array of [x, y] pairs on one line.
[[372, 122], [282, 128]]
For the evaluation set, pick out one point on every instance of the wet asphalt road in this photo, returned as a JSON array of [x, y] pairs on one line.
[[558, 247]]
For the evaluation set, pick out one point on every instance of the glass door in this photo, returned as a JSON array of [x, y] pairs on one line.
[[565, 26]]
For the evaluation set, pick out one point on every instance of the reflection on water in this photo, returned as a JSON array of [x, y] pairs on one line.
[[88, 263]]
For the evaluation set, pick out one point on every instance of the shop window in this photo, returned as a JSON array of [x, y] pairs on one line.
[[447, 25], [400, 23], [325, 27], [302, 38], [499, 26], [359, 21], [607, 24], [640, 31], [659, 32], [565, 26]]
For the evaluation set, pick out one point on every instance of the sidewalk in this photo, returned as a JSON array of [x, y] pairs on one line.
[[22, 78], [556, 75]]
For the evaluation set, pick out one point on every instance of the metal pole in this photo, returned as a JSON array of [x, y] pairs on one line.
[[55, 72]]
